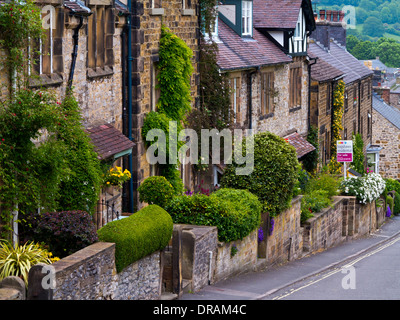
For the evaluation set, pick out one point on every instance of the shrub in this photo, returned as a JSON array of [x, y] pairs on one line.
[[313, 202], [396, 210], [64, 232], [325, 182], [390, 204], [156, 190], [367, 188], [274, 176], [234, 212], [139, 235], [16, 261]]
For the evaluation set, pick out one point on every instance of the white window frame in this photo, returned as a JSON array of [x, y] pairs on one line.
[[247, 18]]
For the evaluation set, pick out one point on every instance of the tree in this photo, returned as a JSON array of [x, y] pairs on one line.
[[373, 27]]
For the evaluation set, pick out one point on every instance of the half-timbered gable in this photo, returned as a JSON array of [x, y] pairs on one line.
[[287, 23]]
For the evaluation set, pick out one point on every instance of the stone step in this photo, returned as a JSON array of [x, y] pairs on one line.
[[169, 296]]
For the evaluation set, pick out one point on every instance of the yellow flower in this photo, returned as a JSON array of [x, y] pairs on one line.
[[108, 182]]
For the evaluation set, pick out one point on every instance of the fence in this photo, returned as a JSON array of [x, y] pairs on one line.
[[106, 211]]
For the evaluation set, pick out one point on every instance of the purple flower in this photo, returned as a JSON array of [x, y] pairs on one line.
[[271, 230], [388, 212], [260, 235]]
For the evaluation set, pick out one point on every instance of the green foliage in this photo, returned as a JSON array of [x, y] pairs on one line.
[[156, 190], [30, 172], [325, 182], [174, 77], [17, 261], [358, 154], [234, 212], [274, 176], [310, 160], [394, 185], [19, 22], [80, 189], [139, 235], [175, 70], [314, 202]]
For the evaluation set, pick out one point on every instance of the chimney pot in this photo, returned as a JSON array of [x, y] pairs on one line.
[[322, 14], [341, 16], [335, 15], [328, 15]]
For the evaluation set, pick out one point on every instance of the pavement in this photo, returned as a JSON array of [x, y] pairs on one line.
[[259, 285]]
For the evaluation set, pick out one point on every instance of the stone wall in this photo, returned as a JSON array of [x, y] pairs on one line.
[[386, 135], [90, 274], [244, 260]]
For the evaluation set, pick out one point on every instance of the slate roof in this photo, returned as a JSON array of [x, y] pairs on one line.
[[235, 52], [342, 60], [276, 14], [377, 64], [390, 113], [301, 145], [108, 141], [77, 6], [323, 71]]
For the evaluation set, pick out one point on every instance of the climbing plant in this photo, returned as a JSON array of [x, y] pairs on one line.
[[337, 125], [175, 70], [20, 23]]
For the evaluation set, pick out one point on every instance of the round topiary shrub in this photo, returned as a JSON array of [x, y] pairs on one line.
[[146, 231], [63, 232], [156, 190], [274, 176]]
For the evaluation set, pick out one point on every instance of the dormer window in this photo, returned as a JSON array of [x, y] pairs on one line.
[[247, 21]]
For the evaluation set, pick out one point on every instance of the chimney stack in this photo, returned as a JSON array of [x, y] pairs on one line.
[[322, 15], [328, 15], [341, 16]]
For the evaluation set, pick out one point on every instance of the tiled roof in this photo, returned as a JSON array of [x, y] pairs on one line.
[[391, 113], [76, 6], [236, 52], [301, 145], [342, 60], [108, 141], [276, 14], [323, 71]]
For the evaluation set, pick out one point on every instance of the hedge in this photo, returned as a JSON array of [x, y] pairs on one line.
[[274, 176], [234, 212], [139, 235]]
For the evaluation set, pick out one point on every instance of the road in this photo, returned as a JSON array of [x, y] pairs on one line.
[[375, 275], [360, 269]]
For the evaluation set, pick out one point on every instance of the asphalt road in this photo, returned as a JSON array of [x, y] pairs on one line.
[[366, 268], [374, 275]]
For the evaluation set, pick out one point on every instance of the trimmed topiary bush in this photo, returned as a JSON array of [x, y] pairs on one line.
[[274, 176], [156, 190], [234, 212], [139, 235]]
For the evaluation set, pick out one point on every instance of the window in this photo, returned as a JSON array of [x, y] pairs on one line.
[[247, 23], [373, 162], [328, 98], [100, 38], [156, 7], [267, 93], [187, 8], [154, 90], [47, 53], [234, 84], [295, 87]]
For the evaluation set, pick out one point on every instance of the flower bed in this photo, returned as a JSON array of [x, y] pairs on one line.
[[366, 188]]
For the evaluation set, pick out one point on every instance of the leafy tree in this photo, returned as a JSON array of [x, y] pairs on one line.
[[373, 27]]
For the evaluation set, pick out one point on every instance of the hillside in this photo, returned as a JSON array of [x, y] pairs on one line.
[[374, 19]]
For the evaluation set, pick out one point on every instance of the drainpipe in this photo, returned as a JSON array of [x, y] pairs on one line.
[[129, 89], [75, 37], [309, 92]]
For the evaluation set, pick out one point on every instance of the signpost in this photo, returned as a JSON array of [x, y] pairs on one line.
[[344, 153]]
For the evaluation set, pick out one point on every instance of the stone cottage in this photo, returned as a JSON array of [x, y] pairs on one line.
[[328, 45], [263, 48], [385, 139], [84, 50]]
